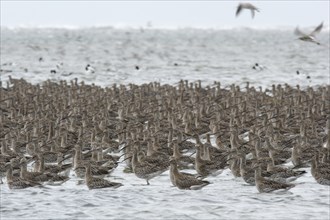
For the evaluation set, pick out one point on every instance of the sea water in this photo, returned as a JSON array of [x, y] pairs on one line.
[[138, 56]]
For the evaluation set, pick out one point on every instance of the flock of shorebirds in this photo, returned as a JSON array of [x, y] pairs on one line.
[[52, 129], [49, 130]]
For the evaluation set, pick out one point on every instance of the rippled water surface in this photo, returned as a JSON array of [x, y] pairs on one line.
[[165, 56], [226, 198]]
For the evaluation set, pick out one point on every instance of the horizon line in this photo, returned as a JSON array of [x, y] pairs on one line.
[[146, 27]]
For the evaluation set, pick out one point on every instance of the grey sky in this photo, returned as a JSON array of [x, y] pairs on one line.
[[162, 13]]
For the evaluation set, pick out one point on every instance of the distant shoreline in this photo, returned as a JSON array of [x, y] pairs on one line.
[[137, 27]]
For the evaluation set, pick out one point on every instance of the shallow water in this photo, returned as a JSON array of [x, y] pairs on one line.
[[165, 56], [226, 197]]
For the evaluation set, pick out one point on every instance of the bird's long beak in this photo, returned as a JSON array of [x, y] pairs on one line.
[[126, 159]]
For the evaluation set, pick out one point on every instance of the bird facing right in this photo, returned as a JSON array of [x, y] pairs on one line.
[[242, 6], [309, 37]]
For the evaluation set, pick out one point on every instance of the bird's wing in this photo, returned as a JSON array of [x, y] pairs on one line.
[[239, 9], [317, 30], [297, 31], [250, 6], [252, 13]]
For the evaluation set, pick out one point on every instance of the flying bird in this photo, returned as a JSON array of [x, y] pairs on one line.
[[242, 6], [309, 37]]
